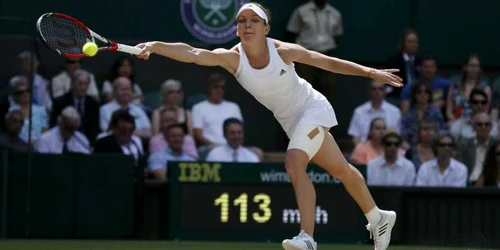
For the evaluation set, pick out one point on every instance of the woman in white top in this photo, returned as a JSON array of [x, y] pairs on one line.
[[264, 67]]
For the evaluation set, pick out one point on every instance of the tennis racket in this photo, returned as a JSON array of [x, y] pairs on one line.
[[66, 36]]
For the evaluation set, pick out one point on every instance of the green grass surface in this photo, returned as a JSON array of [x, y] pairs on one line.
[[162, 245]]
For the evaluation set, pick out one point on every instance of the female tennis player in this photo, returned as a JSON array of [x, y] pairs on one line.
[[264, 67]]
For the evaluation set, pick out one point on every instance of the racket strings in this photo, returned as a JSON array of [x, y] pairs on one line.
[[63, 35]]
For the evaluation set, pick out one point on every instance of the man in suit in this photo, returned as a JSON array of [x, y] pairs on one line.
[[121, 138], [406, 61], [472, 151], [87, 107]]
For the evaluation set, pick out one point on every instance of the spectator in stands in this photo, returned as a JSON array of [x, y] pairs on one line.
[[171, 94], [420, 108], [120, 139], [9, 139], [359, 126], [122, 67], [209, 115], [64, 138], [391, 169], [462, 128], [316, 25], [87, 106], [21, 100], [405, 60], [373, 147], [495, 102], [422, 151], [444, 170], [30, 64], [427, 75], [122, 91], [490, 177], [233, 150], [472, 151], [157, 143], [61, 83], [158, 162], [458, 105]]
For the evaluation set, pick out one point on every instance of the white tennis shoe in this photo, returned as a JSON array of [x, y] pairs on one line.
[[381, 233], [300, 242]]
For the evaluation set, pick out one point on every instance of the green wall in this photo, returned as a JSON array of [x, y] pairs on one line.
[[449, 29]]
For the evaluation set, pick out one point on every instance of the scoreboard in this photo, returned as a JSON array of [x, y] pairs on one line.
[[239, 201]]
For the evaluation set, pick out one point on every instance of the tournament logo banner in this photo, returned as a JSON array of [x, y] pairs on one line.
[[211, 21]]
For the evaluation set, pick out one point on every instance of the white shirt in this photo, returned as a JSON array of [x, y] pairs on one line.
[[316, 28], [107, 87], [225, 153], [401, 173], [292, 99], [61, 84], [210, 118], [430, 176], [359, 126], [106, 111], [51, 142]]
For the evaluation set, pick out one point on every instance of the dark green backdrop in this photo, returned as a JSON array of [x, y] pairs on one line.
[[450, 29]]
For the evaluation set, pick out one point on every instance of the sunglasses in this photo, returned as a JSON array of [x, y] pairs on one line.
[[20, 92], [174, 91], [392, 143], [475, 102], [378, 88], [446, 145], [483, 124], [423, 91]]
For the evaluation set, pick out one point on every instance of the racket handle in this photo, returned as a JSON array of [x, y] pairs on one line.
[[129, 49]]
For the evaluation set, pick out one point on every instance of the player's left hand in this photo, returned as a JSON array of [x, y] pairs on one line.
[[386, 76]]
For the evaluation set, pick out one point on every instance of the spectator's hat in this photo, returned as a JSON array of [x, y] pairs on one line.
[[171, 85]]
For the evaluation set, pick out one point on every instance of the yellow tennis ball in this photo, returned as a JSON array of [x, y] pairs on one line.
[[90, 49]]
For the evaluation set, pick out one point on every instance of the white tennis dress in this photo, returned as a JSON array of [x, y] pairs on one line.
[[292, 99]]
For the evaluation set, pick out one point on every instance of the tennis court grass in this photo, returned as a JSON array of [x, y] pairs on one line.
[[163, 245]]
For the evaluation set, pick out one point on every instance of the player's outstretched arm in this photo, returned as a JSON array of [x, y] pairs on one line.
[[336, 65], [185, 53]]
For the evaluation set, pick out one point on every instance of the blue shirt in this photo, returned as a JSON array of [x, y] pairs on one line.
[[159, 160], [39, 121], [410, 122], [439, 88]]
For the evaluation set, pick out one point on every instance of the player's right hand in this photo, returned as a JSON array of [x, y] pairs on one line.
[[146, 50]]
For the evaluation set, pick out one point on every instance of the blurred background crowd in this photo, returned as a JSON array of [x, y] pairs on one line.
[[437, 130]]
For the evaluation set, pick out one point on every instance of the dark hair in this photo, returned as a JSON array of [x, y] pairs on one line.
[[480, 92], [113, 73], [230, 121], [464, 74], [427, 58], [121, 115], [404, 35], [437, 139], [372, 123], [424, 122], [490, 166], [215, 78], [176, 125], [415, 88]]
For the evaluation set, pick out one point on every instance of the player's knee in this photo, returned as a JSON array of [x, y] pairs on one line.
[[295, 162]]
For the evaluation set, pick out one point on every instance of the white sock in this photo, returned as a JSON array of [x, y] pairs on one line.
[[373, 216]]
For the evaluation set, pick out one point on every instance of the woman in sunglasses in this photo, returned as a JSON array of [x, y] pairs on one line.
[[420, 109], [21, 101]]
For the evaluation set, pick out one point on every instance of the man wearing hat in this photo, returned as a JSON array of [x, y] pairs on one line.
[[391, 169]]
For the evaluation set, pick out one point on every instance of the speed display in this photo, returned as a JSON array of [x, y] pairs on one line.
[[230, 210]]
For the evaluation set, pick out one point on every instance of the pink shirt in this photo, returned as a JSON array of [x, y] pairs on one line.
[[158, 143], [364, 153]]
